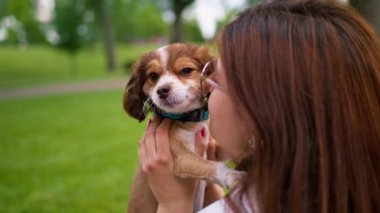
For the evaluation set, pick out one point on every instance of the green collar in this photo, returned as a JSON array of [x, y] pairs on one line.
[[196, 115]]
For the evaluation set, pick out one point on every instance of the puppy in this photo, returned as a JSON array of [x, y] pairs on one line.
[[167, 82]]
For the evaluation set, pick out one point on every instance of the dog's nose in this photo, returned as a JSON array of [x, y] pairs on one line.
[[163, 92]]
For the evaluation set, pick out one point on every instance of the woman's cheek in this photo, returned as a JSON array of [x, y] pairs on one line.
[[222, 125], [225, 127]]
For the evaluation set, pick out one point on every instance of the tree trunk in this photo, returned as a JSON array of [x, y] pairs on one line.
[[108, 36], [370, 9], [178, 6], [177, 26]]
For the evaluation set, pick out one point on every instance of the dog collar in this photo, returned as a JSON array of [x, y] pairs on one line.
[[196, 115]]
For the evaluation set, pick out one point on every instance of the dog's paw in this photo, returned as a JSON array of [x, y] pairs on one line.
[[227, 177], [233, 178]]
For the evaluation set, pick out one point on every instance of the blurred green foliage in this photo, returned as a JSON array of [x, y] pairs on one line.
[[24, 12], [70, 25], [192, 32], [133, 21], [139, 22]]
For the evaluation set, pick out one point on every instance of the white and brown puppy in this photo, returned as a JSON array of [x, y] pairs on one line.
[[167, 80]]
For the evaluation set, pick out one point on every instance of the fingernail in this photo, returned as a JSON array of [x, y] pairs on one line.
[[203, 132]]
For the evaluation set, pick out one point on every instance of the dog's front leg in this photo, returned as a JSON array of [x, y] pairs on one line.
[[191, 165]]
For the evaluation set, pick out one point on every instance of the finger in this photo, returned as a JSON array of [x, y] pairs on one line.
[[146, 130], [162, 139], [200, 142], [142, 155], [141, 148], [211, 148], [150, 140]]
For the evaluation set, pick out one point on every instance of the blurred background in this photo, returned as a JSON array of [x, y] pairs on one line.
[[65, 143]]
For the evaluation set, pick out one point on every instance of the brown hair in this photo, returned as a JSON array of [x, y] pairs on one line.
[[308, 74]]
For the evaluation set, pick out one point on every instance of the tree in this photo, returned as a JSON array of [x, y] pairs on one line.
[[69, 23], [102, 11], [2, 8], [24, 13], [192, 31], [178, 6], [108, 35], [139, 21], [370, 10]]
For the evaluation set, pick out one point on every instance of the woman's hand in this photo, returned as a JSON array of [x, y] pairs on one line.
[[173, 194]]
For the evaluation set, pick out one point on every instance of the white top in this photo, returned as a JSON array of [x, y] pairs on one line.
[[217, 206], [221, 206]]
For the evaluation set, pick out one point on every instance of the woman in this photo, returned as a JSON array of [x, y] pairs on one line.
[[298, 86]]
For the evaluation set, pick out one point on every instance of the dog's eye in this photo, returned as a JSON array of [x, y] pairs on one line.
[[186, 71], [153, 76]]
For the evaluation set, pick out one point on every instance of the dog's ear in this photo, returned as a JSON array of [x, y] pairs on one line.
[[134, 96], [203, 54]]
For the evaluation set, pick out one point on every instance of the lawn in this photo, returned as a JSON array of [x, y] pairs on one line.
[[44, 65], [67, 153]]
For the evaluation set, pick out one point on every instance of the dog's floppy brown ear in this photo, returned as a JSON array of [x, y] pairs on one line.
[[203, 54], [134, 96]]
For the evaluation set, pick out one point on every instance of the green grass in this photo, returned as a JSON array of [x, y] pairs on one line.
[[42, 64], [70, 153]]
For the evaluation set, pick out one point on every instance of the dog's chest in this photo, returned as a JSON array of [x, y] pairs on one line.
[[185, 133]]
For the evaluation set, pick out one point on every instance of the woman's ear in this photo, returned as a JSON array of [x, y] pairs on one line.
[[134, 97]]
